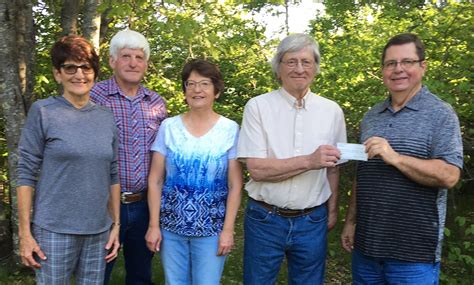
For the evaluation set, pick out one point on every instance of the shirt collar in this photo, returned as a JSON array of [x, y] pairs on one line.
[[292, 100], [114, 89], [415, 103]]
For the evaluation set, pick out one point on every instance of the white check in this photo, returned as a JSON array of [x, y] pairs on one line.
[[352, 151]]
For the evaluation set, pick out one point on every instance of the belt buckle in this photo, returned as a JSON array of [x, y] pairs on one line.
[[123, 197], [288, 213]]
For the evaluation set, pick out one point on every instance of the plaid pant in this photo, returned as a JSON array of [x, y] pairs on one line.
[[81, 256]]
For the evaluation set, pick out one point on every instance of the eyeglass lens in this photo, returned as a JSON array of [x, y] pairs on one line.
[[72, 68]]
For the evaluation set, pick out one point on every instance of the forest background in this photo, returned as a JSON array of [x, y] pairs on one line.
[[351, 35]]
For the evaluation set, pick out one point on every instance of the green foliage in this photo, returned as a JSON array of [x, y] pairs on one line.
[[215, 32], [259, 5], [458, 255], [46, 15], [12, 275]]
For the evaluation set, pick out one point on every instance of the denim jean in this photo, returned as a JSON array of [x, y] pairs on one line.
[[134, 224], [370, 270], [268, 238], [191, 260]]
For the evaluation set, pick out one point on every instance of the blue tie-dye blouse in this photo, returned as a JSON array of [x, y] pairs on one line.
[[194, 194]]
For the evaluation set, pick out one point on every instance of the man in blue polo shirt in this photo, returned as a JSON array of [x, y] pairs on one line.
[[398, 203]]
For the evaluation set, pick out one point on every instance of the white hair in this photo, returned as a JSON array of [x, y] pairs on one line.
[[295, 43], [129, 39]]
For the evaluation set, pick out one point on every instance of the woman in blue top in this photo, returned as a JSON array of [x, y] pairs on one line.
[[195, 183]]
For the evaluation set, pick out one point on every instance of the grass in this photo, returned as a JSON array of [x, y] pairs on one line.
[[10, 274]]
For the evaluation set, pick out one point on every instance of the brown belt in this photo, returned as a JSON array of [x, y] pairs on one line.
[[287, 213], [131, 197]]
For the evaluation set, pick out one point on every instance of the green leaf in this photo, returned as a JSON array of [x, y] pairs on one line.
[[461, 221], [447, 232]]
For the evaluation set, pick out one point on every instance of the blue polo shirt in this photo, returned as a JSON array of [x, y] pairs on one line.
[[397, 217]]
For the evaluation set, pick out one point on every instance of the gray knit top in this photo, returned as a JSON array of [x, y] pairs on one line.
[[69, 156]]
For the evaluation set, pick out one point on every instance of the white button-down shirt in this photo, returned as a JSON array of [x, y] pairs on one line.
[[274, 126]]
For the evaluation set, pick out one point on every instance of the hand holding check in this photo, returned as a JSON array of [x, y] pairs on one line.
[[352, 151]]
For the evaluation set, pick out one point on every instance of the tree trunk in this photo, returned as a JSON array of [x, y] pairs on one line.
[[13, 109], [91, 23], [69, 16], [105, 21], [26, 50]]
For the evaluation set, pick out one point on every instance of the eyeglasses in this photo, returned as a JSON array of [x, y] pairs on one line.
[[293, 63], [406, 63], [72, 68], [203, 84]]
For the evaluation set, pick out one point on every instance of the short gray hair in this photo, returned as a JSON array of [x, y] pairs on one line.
[[294, 43], [129, 39]]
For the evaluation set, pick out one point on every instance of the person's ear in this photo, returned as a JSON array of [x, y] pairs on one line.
[[112, 62], [57, 75], [424, 65]]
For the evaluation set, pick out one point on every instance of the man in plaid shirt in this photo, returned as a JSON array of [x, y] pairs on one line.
[[138, 113]]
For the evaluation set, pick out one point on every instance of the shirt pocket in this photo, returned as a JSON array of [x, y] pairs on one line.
[[151, 129]]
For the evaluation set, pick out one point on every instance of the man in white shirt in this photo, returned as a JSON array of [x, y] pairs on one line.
[[288, 140]]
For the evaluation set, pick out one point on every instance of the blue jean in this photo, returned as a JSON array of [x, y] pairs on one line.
[[370, 270], [134, 224], [191, 260], [268, 238]]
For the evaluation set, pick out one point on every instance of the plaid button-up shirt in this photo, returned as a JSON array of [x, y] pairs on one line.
[[138, 119]]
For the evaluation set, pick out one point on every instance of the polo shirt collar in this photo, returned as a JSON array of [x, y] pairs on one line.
[[292, 100], [415, 103]]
